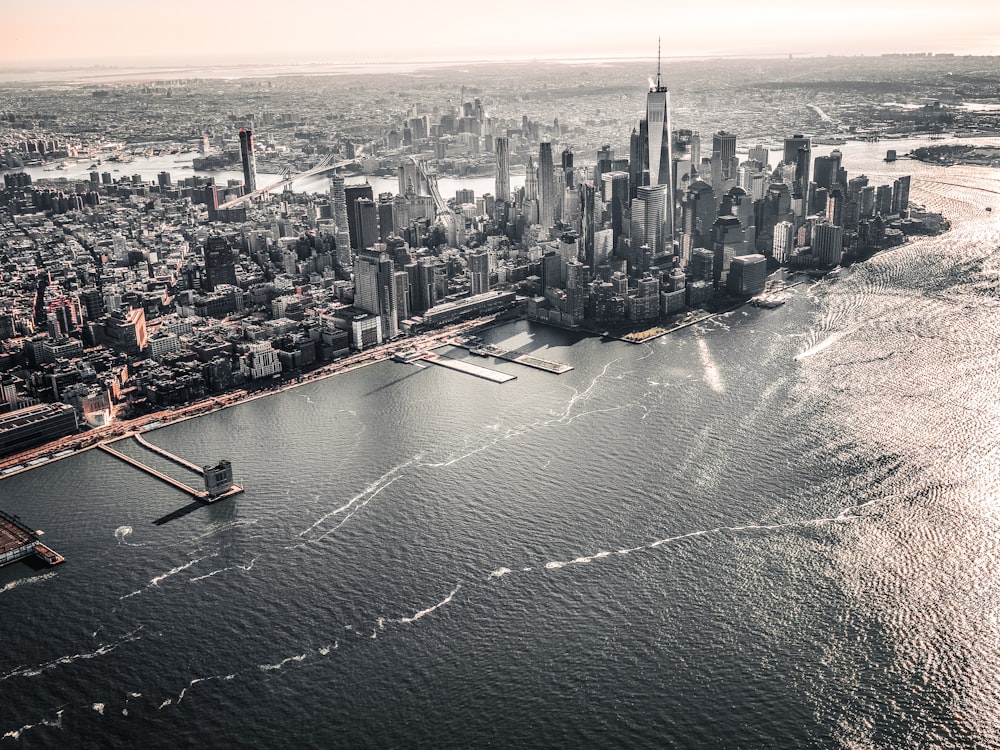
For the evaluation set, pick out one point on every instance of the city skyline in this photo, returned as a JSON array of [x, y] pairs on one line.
[[104, 34]]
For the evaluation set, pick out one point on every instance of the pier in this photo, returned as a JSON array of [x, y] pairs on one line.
[[167, 454], [199, 494], [469, 368], [528, 360], [204, 495], [17, 541]]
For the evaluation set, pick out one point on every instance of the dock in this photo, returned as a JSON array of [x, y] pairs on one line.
[[17, 541], [528, 360], [468, 368]]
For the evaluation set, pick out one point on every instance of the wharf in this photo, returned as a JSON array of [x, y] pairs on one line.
[[528, 360], [469, 368], [17, 541]]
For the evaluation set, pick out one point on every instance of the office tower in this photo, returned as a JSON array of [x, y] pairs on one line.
[[588, 220], [901, 195], [776, 206], [249, 161], [375, 288], [649, 222], [402, 295], [747, 275], [338, 199], [126, 328], [824, 172], [724, 148], [603, 248], [784, 241], [615, 187], [797, 152], [220, 264], [386, 220], [883, 199], [546, 187], [502, 184], [531, 181], [567, 168], [827, 243], [759, 154], [366, 221], [352, 194], [479, 272], [728, 242]]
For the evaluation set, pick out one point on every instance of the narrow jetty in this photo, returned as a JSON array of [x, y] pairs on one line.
[[17, 541], [468, 368], [167, 454], [199, 494]]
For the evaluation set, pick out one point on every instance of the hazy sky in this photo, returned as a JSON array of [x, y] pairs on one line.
[[198, 31]]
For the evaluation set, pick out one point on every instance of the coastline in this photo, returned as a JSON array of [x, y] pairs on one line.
[[71, 445]]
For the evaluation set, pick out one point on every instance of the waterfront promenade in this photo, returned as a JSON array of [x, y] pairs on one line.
[[73, 444]]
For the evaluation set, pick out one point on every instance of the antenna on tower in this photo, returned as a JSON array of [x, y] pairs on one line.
[[658, 62]]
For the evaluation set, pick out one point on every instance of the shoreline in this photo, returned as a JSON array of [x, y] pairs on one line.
[[68, 446]]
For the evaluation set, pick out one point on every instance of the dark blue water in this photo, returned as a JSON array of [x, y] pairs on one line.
[[776, 529]]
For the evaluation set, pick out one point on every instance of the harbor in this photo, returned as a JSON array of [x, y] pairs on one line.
[[475, 346]]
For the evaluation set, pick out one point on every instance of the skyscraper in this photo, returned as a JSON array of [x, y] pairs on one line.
[[220, 265], [546, 186], [797, 151], [724, 147], [502, 186], [366, 221], [649, 218], [249, 160], [352, 193], [659, 150], [375, 288], [338, 201], [479, 271]]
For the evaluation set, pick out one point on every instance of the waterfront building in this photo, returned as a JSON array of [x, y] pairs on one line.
[[35, 425], [827, 243], [747, 275], [375, 289]]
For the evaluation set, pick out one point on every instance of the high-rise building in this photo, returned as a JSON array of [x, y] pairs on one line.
[[827, 243], [724, 148], [546, 187], [797, 152], [615, 194], [338, 201], [759, 154], [249, 160], [479, 271], [901, 195], [649, 221], [366, 221], [747, 275], [352, 194], [502, 187], [220, 264], [567, 168], [375, 288], [658, 156]]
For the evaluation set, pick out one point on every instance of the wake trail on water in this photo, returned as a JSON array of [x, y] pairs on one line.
[[102, 650], [28, 581], [15, 734], [157, 580]]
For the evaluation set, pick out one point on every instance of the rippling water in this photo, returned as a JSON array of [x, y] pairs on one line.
[[776, 529]]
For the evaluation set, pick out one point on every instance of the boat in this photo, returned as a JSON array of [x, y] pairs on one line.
[[989, 208], [769, 301]]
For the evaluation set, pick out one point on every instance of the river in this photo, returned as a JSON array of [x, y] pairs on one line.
[[779, 528]]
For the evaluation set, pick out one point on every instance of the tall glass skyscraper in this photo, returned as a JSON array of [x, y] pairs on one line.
[[249, 160]]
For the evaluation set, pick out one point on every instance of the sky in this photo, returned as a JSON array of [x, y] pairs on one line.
[[297, 31]]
